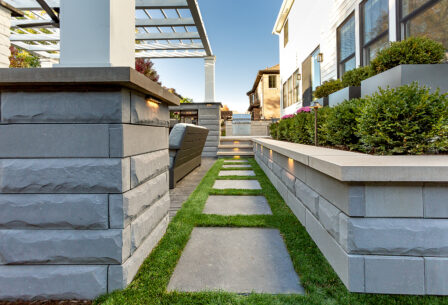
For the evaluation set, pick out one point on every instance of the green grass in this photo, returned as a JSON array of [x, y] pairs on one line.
[[321, 283]]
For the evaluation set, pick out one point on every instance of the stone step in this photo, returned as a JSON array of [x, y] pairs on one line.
[[233, 154], [237, 184], [237, 173], [237, 205]]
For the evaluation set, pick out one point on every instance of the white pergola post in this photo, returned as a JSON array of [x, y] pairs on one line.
[[98, 33], [5, 24], [210, 79]]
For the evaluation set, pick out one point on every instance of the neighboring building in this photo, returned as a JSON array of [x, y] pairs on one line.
[[322, 39], [264, 98]]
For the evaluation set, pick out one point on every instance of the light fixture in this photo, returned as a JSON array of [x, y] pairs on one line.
[[299, 76], [320, 57], [152, 103]]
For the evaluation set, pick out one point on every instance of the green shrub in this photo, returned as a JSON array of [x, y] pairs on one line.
[[353, 78], [301, 131], [340, 126], [328, 88], [273, 130], [406, 120], [322, 115], [414, 50]]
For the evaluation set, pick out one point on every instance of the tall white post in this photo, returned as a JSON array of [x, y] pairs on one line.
[[393, 22], [5, 24], [98, 33], [210, 79]]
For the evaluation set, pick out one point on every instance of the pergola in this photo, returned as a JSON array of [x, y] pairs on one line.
[[165, 29]]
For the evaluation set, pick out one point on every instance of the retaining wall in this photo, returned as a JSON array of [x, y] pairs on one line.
[[83, 189], [381, 222]]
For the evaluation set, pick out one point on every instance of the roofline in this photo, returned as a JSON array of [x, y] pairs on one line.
[[282, 16], [14, 11], [258, 78]]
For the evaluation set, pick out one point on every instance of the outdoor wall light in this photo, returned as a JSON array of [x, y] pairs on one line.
[[299, 76], [152, 103], [320, 57]]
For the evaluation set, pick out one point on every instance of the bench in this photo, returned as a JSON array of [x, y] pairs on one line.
[[186, 144]]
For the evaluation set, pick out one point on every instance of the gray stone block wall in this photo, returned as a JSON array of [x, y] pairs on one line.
[[83, 191], [379, 238]]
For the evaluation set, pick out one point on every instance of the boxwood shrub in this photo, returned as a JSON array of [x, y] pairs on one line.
[[353, 78], [406, 120], [414, 50], [328, 88]]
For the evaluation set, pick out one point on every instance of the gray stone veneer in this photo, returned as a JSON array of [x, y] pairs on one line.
[[379, 237], [83, 190]]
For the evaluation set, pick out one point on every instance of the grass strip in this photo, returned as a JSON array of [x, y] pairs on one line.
[[321, 283]]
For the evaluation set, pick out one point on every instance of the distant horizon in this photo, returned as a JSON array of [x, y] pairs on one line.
[[240, 34]]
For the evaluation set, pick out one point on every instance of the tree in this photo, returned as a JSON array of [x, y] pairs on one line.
[[186, 100], [225, 108], [22, 59], [145, 66]]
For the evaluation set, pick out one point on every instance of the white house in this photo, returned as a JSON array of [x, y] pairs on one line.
[[319, 40]]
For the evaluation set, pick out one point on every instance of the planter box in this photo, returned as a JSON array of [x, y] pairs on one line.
[[323, 101], [433, 76], [380, 221], [347, 93]]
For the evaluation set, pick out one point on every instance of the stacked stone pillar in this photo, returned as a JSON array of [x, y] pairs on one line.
[[83, 179]]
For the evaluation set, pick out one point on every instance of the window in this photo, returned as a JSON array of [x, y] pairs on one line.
[[346, 46], [296, 82], [288, 93], [315, 70], [272, 81], [286, 33], [425, 18], [285, 95], [375, 28]]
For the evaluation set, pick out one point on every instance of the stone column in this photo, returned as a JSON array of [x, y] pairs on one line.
[[83, 179], [210, 79], [98, 33]]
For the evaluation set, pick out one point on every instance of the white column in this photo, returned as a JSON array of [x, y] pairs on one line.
[[393, 21], [98, 33], [5, 24], [210, 79]]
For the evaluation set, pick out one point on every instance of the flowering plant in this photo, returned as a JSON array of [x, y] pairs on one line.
[[304, 109], [288, 116]]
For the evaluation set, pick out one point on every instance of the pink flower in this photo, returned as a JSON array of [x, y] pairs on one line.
[[288, 116], [304, 109]]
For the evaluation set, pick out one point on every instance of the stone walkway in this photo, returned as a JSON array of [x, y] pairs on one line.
[[239, 260], [186, 186]]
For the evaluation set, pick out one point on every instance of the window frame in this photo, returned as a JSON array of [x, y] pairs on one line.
[[364, 46], [338, 43], [274, 77], [401, 20]]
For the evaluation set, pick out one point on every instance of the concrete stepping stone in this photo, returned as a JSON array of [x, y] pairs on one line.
[[236, 173], [235, 161], [238, 260], [236, 166], [237, 184], [237, 205]]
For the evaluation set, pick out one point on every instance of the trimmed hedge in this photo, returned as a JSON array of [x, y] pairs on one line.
[[328, 88], [414, 50], [407, 120], [353, 78]]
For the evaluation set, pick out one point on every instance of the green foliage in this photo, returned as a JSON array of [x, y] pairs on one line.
[[186, 100], [340, 126], [414, 50], [328, 88], [22, 59], [406, 120], [273, 130], [353, 78]]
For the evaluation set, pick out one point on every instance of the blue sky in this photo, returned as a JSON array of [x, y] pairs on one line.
[[240, 33]]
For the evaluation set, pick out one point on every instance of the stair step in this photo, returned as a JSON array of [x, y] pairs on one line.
[[235, 146], [232, 154]]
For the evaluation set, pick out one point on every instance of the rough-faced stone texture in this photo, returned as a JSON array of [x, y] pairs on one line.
[[236, 173], [52, 282], [394, 275], [64, 175], [147, 113], [54, 140], [410, 237], [148, 165], [64, 246], [148, 220], [237, 184], [237, 205], [296, 207], [65, 107], [289, 180], [237, 260], [394, 201], [121, 275], [123, 208], [329, 217], [20, 211]]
